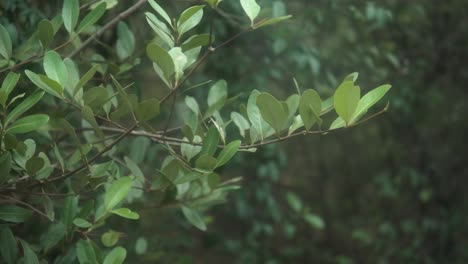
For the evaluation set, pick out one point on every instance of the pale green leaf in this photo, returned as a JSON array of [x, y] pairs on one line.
[[194, 217], [189, 19], [5, 43], [346, 100], [368, 100], [117, 192], [92, 17], [160, 11], [251, 8], [126, 213], [24, 106], [116, 256], [70, 13]]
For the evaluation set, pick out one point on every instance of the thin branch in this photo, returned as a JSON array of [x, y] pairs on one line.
[[108, 26], [27, 205]]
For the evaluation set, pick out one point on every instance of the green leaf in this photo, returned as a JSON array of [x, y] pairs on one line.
[[133, 167], [54, 234], [160, 11], [294, 201], [85, 79], [147, 110], [24, 106], [45, 32], [8, 250], [117, 192], [352, 77], [110, 238], [160, 29], [217, 93], [189, 151], [38, 80], [271, 21], [228, 152], [296, 124], [194, 217], [125, 41], [29, 255], [85, 252], [34, 164], [272, 111], [55, 68], [210, 142], [28, 124], [213, 3], [88, 115], [255, 117], [196, 41], [314, 220], [5, 43], [192, 104], [5, 167], [116, 256], [162, 59], [92, 17], [123, 94], [15, 214], [180, 60], [368, 100], [293, 104], [82, 223], [251, 8], [126, 213], [240, 121], [8, 85], [70, 13], [206, 163], [327, 105], [189, 19], [310, 107], [346, 100]]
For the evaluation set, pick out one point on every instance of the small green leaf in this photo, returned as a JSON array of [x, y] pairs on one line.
[[192, 104], [196, 41], [70, 13], [352, 77], [206, 163], [189, 151], [123, 94], [117, 192], [180, 60], [126, 213], [29, 255], [162, 59], [251, 8], [327, 105], [8, 250], [189, 19], [88, 115], [45, 32], [368, 100], [346, 100], [82, 223], [34, 164], [147, 110], [160, 29], [294, 201], [85, 252], [272, 111], [54, 234], [240, 121], [8, 85], [110, 238], [92, 17], [160, 11], [125, 41], [85, 79], [194, 217], [38, 80], [24, 106], [271, 21], [55, 68], [314, 220], [310, 107], [5, 43], [28, 124], [210, 142], [293, 103], [228, 152], [116, 256]]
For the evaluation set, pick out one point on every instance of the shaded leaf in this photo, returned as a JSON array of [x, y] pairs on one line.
[[5, 43], [28, 124], [8, 250], [116, 256], [45, 32], [228, 152], [194, 217], [92, 17], [15, 214]]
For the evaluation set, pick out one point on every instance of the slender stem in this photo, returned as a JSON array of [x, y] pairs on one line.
[[26, 204]]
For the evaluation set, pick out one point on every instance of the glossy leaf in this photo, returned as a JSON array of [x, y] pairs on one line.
[[310, 107], [55, 68], [28, 124], [189, 19], [251, 8], [126, 213], [45, 32], [272, 111], [117, 192], [24, 106], [5, 43], [161, 58], [116, 256], [194, 217], [228, 152], [92, 17], [346, 100], [368, 100], [70, 13]]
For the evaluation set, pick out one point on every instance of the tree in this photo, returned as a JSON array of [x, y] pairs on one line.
[[74, 139]]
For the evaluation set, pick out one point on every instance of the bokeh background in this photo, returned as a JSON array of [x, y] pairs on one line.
[[393, 190]]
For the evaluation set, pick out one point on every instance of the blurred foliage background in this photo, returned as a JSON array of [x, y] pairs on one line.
[[390, 191]]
